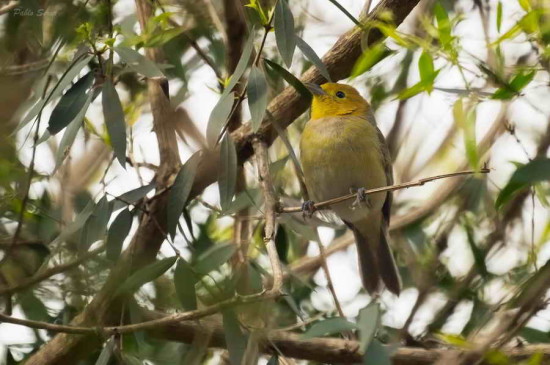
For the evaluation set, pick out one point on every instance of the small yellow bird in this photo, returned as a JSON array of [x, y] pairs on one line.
[[343, 151]]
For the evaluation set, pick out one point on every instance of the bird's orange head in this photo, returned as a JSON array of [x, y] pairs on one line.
[[333, 99]]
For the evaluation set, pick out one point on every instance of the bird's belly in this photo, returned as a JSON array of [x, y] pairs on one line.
[[339, 164]]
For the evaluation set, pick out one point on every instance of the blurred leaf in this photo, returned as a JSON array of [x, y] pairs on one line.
[[525, 4], [33, 307], [281, 243], [214, 257], [132, 196], [114, 120], [499, 15], [465, 119], [218, 117], [532, 335], [329, 326], [235, 339], [179, 192], [227, 178], [162, 37], [145, 275], [184, 281], [277, 167], [312, 57], [443, 24], [70, 133], [106, 353], [138, 62], [426, 67], [80, 219], [274, 360], [130, 360], [70, 104], [302, 230], [95, 226], [241, 65], [290, 79], [376, 354], [72, 71], [534, 171], [517, 84], [117, 233], [284, 31], [455, 340], [257, 95], [245, 199], [368, 323], [479, 255], [370, 57]]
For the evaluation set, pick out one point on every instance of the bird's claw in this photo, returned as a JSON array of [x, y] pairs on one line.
[[308, 208], [361, 198]]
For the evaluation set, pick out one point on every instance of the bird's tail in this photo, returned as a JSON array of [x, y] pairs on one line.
[[376, 261]]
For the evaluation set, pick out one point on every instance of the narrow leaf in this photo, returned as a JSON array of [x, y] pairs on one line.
[[368, 323], [312, 57], [257, 96], [145, 275], [114, 120], [214, 257], [242, 64], [70, 104], [138, 62], [535, 171], [70, 133], [499, 15], [227, 178], [106, 353], [376, 354], [370, 57], [117, 233], [184, 281], [443, 24], [426, 66], [284, 31], [235, 339], [290, 78], [132, 196], [95, 226], [218, 117], [179, 192], [328, 327]]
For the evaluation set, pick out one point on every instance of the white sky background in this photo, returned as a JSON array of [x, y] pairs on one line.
[[428, 117]]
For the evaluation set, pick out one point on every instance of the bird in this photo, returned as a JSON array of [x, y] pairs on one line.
[[342, 151]]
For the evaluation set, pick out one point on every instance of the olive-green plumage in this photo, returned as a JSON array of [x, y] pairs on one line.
[[342, 150]]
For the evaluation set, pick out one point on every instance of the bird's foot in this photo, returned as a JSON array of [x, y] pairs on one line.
[[308, 208], [361, 198]]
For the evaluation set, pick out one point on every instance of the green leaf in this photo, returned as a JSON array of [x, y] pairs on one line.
[[466, 121], [257, 96], [235, 339], [312, 57], [179, 192], [499, 15], [443, 24], [227, 178], [138, 62], [328, 327], [376, 354], [242, 64], [184, 281], [70, 104], [214, 257], [525, 4], [80, 219], [284, 31], [33, 307], [534, 336], [132, 196], [69, 136], [368, 323], [426, 67], [106, 353], [479, 255], [114, 120], [412, 91], [95, 226], [370, 57], [117, 233], [145, 275], [162, 37], [535, 171], [518, 82], [218, 117], [244, 199], [68, 76], [290, 78], [274, 360]]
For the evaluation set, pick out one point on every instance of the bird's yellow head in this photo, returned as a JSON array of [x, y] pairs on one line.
[[333, 99]]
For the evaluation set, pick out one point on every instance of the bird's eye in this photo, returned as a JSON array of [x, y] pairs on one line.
[[340, 94]]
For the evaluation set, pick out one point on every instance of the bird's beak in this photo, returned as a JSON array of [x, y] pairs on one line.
[[314, 88]]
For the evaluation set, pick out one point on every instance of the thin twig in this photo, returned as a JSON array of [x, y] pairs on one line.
[[327, 203], [271, 204]]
